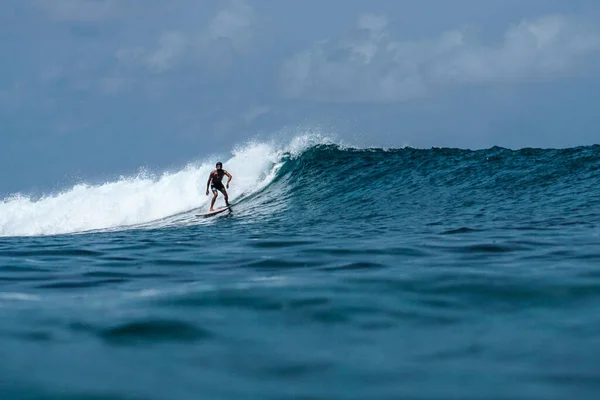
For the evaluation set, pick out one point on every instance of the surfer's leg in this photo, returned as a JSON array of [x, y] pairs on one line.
[[226, 196], [212, 203]]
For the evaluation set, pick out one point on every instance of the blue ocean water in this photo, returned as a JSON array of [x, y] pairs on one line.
[[339, 273]]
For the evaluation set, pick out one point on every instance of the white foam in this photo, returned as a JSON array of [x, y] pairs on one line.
[[142, 199], [300, 143]]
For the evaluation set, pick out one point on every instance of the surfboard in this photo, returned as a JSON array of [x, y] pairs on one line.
[[215, 212]]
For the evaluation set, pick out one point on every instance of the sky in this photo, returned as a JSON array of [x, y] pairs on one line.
[[94, 89]]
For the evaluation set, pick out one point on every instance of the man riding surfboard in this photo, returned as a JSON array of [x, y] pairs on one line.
[[215, 181]]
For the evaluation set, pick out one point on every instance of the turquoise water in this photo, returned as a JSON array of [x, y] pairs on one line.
[[339, 273]]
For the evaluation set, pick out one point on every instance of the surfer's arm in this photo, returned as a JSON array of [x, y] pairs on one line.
[[229, 177], [208, 183]]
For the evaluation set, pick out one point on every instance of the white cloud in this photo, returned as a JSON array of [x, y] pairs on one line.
[[233, 23], [230, 29], [372, 22], [369, 65], [540, 49], [171, 48]]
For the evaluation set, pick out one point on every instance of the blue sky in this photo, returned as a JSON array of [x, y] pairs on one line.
[[91, 89]]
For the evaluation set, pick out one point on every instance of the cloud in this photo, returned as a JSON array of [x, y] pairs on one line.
[[171, 47], [542, 49], [370, 65], [372, 22], [230, 30], [234, 24]]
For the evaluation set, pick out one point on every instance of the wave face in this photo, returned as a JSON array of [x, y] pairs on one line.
[[387, 273], [399, 184], [530, 186]]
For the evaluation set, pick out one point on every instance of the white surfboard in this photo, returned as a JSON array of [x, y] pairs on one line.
[[215, 212]]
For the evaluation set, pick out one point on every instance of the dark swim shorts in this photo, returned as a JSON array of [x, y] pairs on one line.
[[214, 187]]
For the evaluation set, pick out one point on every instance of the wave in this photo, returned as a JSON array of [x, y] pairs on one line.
[[132, 201], [312, 173]]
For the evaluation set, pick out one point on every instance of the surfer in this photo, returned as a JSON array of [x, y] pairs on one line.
[[215, 181]]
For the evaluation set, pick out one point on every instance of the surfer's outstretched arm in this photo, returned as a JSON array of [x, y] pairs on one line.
[[229, 177], [208, 183]]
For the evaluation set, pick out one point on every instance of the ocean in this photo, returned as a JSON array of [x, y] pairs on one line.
[[339, 273]]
